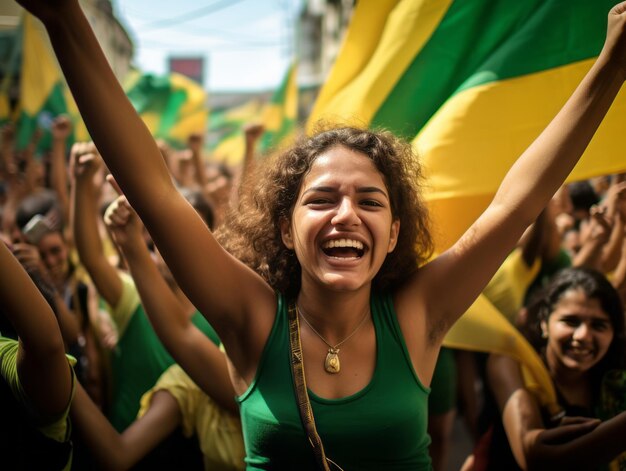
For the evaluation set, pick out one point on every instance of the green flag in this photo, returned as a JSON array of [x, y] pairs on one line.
[[281, 113], [226, 137], [172, 106]]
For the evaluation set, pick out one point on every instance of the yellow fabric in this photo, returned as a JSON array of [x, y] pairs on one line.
[[5, 109], [80, 129], [194, 122], [230, 150], [382, 41], [291, 97], [507, 288], [40, 71], [248, 111], [151, 120], [484, 329], [466, 152], [275, 113], [56, 428], [193, 113], [219, 432], [126, 306]]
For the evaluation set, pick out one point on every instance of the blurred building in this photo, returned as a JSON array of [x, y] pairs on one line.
[[321, 28], [189, 66], [112, 35]]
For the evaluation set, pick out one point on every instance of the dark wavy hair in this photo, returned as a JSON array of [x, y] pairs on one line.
[[595, 286], [252, 232]]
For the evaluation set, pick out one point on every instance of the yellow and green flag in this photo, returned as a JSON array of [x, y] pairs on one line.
[[472, 83], [42, 95], [279, 116], [281, 113], [226, 140], [172, 106]]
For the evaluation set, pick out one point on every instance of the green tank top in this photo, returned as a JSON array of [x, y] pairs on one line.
[[137, 362], [383, 426]]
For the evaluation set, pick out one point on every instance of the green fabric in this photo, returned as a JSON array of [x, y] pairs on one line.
[[27, 124], [483, 41], [383, 426], [137, 362], [201, 323], [282, 105], [172, 105], [443, 385]]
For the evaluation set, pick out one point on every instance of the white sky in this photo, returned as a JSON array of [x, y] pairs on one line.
[[247, 44]]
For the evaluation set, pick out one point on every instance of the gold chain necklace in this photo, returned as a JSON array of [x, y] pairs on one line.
[[331, 363]]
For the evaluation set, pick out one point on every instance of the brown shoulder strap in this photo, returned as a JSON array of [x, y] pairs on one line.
[[299, 385]]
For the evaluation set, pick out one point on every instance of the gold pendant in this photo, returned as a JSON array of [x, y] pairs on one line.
[[331, 364]]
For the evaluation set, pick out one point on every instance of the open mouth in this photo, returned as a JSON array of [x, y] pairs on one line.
[[580, 353], [343, 248]]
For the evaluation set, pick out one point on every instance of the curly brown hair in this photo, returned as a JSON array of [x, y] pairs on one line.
[[252, 231]]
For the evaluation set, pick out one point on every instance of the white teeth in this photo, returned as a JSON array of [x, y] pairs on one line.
[[343, 243]]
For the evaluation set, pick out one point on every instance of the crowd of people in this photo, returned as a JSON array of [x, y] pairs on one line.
[[160, 310]]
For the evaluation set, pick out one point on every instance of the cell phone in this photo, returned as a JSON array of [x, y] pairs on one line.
[[35, 229]]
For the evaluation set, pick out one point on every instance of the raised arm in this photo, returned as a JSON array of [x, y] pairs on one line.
[[191, 348], [221, 287], [615, 202], [49, 387], [252, 133], [120, 451], [619, 275], [85, 163], [463, 270], [595, 238], [61, 130], [195, 143], [576, 444], [7, 158]]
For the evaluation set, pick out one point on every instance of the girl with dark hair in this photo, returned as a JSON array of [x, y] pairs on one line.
[[330, 245], [577, 325]]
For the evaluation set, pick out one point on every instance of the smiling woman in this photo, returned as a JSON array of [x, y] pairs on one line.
[[343, 170], [577, 324]]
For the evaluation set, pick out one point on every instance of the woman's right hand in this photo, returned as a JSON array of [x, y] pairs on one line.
[[122, 221], [85, 161]]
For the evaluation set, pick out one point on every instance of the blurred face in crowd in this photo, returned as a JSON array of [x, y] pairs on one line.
[[571, 242], [54, 254], [579, 333]]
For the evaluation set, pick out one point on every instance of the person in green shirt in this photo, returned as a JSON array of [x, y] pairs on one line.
[[34, 400]]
